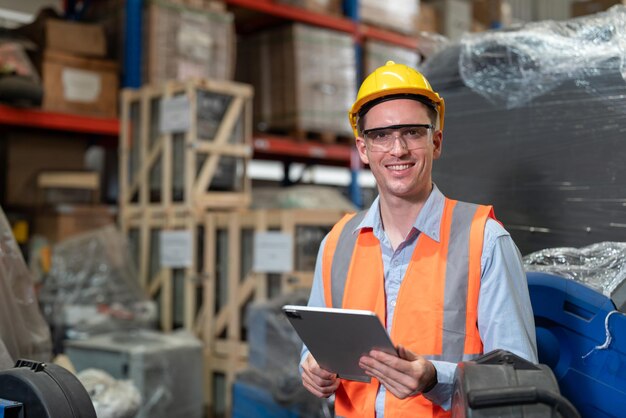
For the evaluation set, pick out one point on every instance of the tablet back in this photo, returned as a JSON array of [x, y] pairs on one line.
[[337, 338]]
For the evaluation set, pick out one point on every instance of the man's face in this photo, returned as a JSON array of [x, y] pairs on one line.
[[400, 172]]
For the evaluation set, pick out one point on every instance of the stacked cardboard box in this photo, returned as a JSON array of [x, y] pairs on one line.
[[377, 53], [397, 15], [331, 7], [76, 77], [453, 17], [184, 42], [588, 7], [304, 78]]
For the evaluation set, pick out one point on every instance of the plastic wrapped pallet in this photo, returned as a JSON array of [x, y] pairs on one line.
[[275, 354], [377, 53], [184, 42], [167, 369], [397, 15], [543, 110], [23, 330], [92, 287], [304, 78], [601, 266]]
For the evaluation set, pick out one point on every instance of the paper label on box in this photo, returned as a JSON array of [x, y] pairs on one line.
[[176, 249], [175, 115], [189, 69], [81, 85], [273, 252]]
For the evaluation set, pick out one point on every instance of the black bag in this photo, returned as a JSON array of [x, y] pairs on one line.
[[501, 384], [40, 390]]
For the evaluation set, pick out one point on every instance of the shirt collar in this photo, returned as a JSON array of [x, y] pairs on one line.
[[428, 221]]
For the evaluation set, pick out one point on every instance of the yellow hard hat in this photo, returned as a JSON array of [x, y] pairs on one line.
[[392, 79]]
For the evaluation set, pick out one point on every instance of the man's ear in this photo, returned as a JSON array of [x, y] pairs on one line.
[[437, 143], [362, 149]]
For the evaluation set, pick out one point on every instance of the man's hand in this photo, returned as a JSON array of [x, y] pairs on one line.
[[404, 376], [318, 381]]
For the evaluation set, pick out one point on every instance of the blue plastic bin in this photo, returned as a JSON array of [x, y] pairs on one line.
[[569, 318], [253, 402]]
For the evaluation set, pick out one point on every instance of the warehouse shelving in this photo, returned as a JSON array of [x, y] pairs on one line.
[[267, 146], [41, 119], [254, 14], [343, 24]]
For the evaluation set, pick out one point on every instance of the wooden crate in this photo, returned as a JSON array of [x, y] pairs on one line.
[[193, 157], [210, 295], [230, 284]]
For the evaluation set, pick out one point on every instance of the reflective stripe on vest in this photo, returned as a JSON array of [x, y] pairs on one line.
[[447, 329]]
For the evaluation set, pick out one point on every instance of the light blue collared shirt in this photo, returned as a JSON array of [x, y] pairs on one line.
[[505, 317]]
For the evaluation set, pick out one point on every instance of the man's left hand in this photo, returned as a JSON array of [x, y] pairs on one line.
[[404, 375]]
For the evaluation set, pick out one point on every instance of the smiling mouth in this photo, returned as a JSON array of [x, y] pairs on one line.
[[399, 167]]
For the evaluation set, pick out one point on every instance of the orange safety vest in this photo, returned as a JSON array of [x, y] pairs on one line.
[[437, 306]]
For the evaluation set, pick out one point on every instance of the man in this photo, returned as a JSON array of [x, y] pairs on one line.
[[443, 276]]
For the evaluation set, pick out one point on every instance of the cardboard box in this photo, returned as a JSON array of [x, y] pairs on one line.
[[487, 14], [85, 39], [184, 42], [304, 78], [589, 7], [80, 85], [377, 53], [28, 153], [64, 221], [428, 19], [455, 17], [331, 7], [396, 15]]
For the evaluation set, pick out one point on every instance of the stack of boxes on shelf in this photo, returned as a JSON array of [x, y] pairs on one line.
[[396, 15], [188, 41], [330, 7], [77, 77], [304, 79]]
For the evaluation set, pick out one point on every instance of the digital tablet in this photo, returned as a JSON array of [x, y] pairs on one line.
[[337, 338]]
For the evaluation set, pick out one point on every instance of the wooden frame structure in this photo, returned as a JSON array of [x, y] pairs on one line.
[[210, 296], [168, 176], [230, 284], [180, 168]]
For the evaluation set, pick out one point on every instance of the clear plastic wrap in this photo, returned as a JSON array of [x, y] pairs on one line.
[[601, 266], [301, 197], [275, 354], [165, 368], [111, 398], [23, 330], [511, 68], [93, 287], [552, 165]]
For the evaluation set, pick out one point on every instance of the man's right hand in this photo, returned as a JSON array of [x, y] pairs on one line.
[[318, 381]]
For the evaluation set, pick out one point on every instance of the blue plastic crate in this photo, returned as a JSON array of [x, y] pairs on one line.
[[253, 402], [570, 322]]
